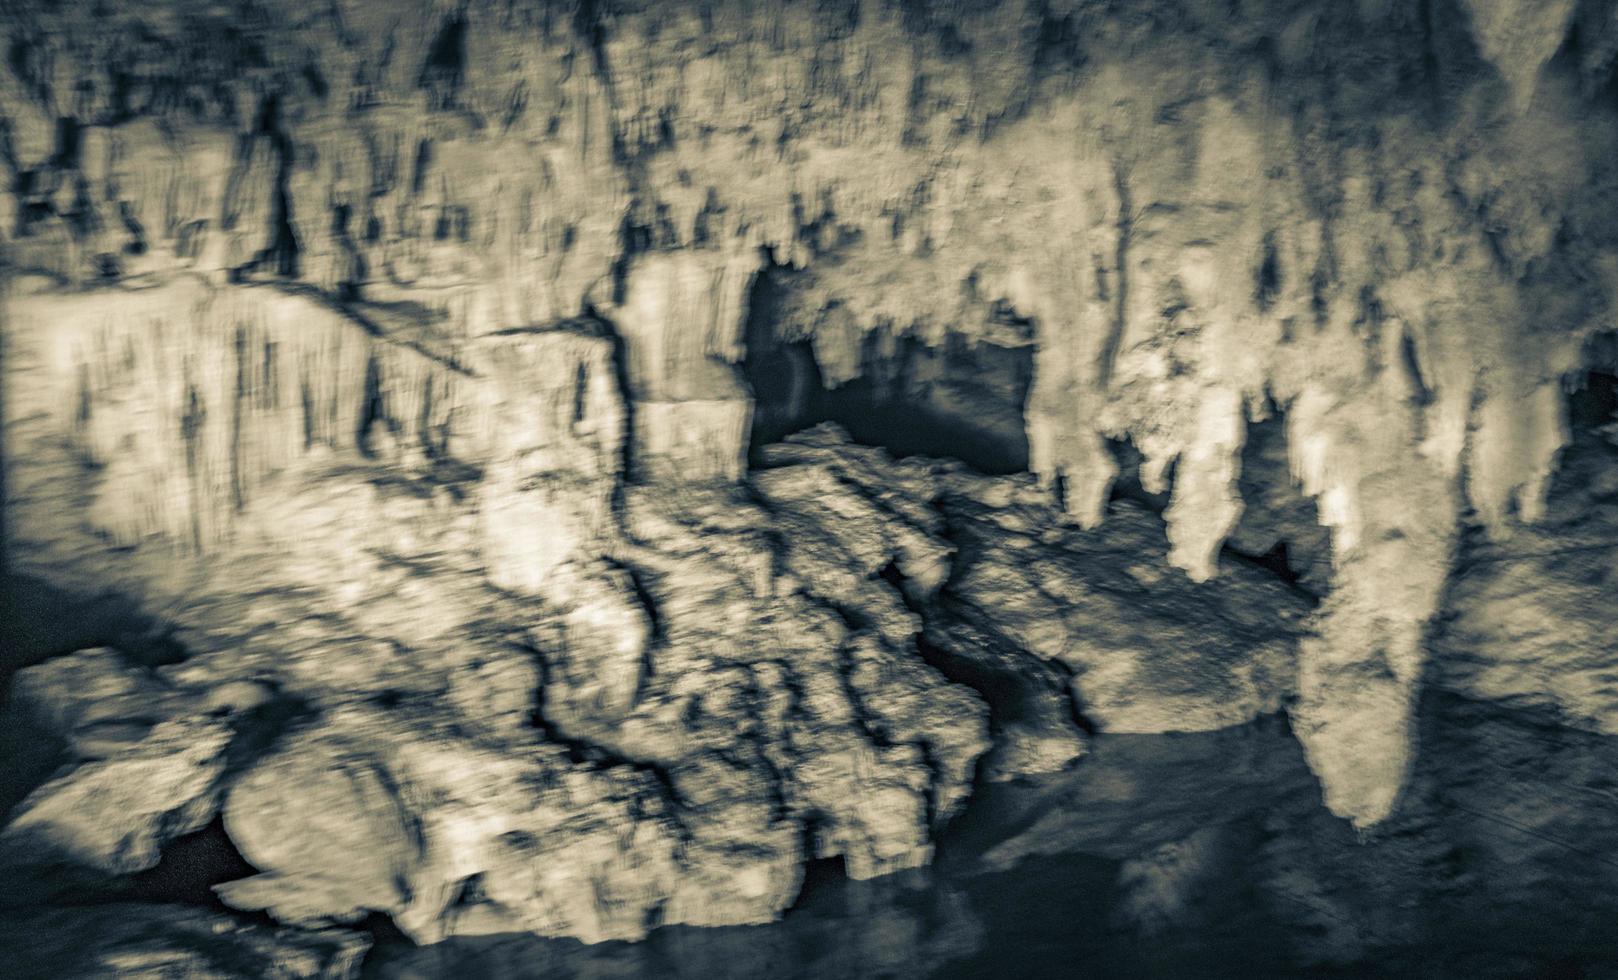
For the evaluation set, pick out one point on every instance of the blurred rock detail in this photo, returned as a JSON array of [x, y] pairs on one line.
[[567, 468]]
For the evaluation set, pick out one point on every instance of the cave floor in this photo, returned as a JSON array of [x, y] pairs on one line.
[[1190, 855]]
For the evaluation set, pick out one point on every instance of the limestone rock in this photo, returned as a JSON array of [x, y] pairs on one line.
[[1034, 722], [411, 816], [681, 317], [862, 740], [1148, 650], [340, 314], [1526, 618], [160, 789], [145, 765], [595, 671], [323, 823], [553, 437], [1518, 38], [152, 941]]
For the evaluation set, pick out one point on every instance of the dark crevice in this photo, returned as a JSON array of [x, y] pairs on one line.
[[189, 867], [1009, 680], [359, 312], [1125, 229], [967, 610], [280, 254], [1079, 718], [891, 574], [870, 723], [584, 752], [581, 391], [1275, 562], [821, 876], [1267, 286], [283, 248], [755, 735], [445, 66], [936, 778], [373, 409], [1278, 563], [644, 599], [1128, 485], [961, 400], [658, 638], [620, 370], [1411, 357], [1594, 403], [1012, 691], [351, 280]]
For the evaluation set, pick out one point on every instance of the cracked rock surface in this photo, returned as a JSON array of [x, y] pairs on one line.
[[1383, 220], [413, 406], [466, 760]]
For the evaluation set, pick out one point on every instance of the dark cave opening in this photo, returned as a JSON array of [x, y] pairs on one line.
[[1595, 402], [189, 866], [821, 877], [1276, 562], [960, 400]]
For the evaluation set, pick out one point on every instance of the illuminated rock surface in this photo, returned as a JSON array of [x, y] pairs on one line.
[[399, 410]]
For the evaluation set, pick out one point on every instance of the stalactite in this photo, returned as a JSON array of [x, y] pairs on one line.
[[361, 236]]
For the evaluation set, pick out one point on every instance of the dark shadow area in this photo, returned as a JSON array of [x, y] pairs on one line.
[[1127, 485], [189, 868], [1595, 402], [962, 400], [1279, 528], [42, 621], [820, 877]]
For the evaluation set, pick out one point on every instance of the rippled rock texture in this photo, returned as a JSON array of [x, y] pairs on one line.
[[416, 381]]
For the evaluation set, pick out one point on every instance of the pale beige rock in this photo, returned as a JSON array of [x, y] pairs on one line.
[[681, 319], [322, 821], [1187, 234], [144, 765], [1526, 618], [114, 813], [1519, 37], [552, 431], [1149, 650], [596, 672]]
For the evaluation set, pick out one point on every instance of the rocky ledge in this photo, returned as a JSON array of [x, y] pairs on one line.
[[522, 768]]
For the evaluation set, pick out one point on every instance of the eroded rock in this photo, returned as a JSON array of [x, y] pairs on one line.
[[1148, 649], [1527, 618], [145, 762], [151, 940], [307, 361]]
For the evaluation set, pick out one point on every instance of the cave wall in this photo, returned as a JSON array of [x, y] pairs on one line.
[[1390, 220]]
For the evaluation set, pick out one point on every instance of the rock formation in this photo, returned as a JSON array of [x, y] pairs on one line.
[[419, 368]]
